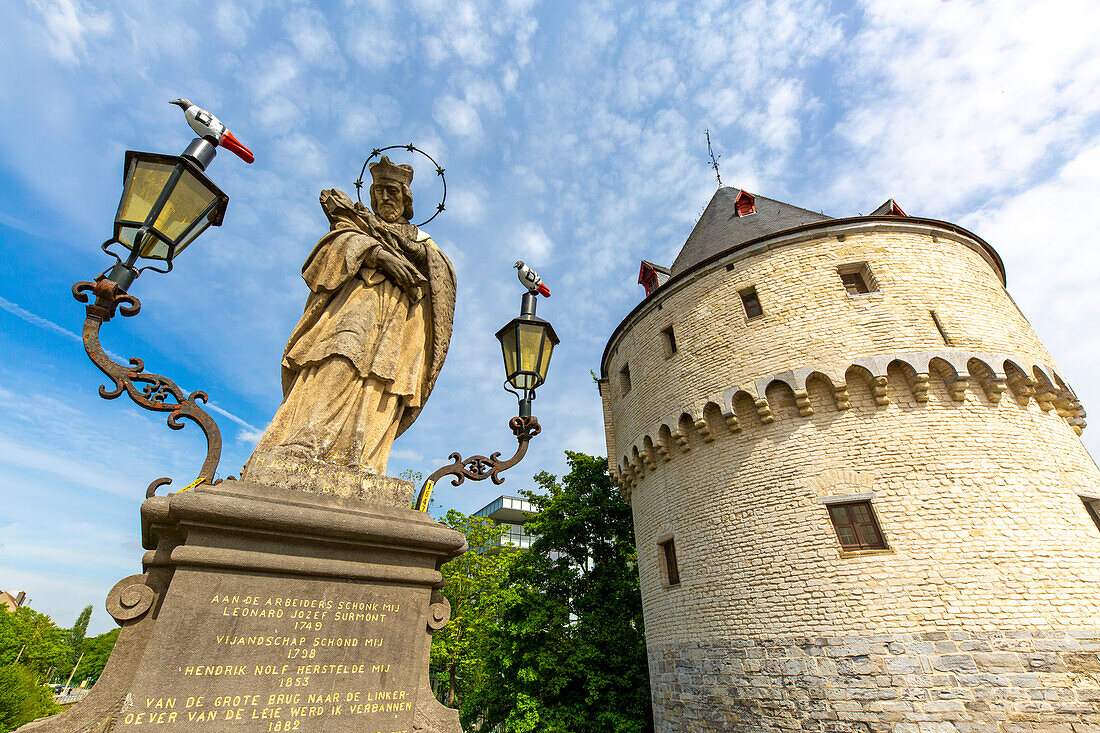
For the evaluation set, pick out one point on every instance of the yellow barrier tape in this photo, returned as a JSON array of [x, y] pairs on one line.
[[425, 494], [191, 485]]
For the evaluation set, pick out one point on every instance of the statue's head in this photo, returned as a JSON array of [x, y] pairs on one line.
[[390, 195]]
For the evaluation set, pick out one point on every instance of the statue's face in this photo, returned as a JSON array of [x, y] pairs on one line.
[[390, 200]]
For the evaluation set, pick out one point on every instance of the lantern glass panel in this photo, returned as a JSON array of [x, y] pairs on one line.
[[530, 336], [544, 364], [186, 204], [508, 346], [145, 180]]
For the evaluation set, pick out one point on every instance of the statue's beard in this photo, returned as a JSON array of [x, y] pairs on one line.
[[389, 212]]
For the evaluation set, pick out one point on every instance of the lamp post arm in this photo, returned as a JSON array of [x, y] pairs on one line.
[[156, 393], [479, 468]]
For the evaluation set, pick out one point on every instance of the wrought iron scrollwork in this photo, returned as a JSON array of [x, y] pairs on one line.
[[479, 468], [151, 391]]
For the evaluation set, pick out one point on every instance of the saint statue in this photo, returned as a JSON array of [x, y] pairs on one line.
[[377, 323]]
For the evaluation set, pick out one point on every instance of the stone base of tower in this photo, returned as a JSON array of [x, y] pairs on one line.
[[931, 682]]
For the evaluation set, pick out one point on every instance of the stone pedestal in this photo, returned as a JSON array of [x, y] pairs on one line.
[[268, 609]]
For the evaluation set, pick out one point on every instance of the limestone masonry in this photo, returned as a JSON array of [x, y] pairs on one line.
[[860, 499]]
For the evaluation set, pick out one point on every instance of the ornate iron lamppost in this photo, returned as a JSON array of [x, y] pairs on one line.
[[167, 202], [527, 343]]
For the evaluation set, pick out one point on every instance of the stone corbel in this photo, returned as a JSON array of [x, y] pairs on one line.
[[878, 390], [662, 451], [920, 383], [957, 385], [1045, 396], [802, 400], [1021, 385], [843, 399], [704, 430], [732, 422], [764, 410], [994, 387], [682, 441]]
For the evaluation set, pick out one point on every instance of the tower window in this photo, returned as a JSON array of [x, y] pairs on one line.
[[1092, 506], [857, 279], [624, 378], [855, 526], [745, 204], [751, 301], [668, 555], [670, 340]]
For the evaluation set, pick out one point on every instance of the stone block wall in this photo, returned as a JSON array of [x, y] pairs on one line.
[[931, 682], [982, 613]]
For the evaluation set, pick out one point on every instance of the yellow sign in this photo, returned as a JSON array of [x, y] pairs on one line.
[[192, 485], [425, 494]]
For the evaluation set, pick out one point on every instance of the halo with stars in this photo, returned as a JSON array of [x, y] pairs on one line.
[[412, 149]]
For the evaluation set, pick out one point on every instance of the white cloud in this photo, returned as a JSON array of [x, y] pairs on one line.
[[306, 29], [457, 117], [69, 24], [531, 243], [466, 204], [954, 101], [233, 23]]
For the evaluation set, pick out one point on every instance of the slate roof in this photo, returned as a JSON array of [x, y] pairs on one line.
[[719, 228]]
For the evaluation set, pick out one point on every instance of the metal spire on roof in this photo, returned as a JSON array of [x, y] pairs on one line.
[[713, 159]]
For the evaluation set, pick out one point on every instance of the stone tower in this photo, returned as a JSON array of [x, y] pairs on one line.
[[859, 495]]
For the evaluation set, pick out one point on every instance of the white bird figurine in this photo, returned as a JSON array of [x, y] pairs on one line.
[[207, 125], [531, 279]]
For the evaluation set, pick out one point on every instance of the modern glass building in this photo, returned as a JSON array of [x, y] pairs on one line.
[[512, 512]]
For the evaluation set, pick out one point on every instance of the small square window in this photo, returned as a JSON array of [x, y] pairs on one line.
[[855, 526], [751, 301], [624, 378], [670, 340], [1092, 506], [668, 555], [857, 279]]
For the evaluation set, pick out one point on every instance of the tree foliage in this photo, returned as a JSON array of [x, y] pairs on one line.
[[22, 699], [34, 639], [474, 584], [568, 652], [75, 635], [96, 651]]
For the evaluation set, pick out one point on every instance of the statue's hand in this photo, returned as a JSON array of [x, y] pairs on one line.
[[407, 277]]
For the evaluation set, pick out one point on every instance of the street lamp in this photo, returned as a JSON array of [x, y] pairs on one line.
[[167, 202], [527, 342]]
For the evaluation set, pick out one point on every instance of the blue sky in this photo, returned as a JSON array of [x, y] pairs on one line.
[[572, 135]]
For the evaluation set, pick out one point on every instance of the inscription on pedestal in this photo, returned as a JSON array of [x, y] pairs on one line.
[[255, 653]]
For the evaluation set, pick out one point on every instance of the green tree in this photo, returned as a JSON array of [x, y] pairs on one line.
[[34, 640], [96, 652], [75, 635], [568, 653], [22, 699], [474, 584]]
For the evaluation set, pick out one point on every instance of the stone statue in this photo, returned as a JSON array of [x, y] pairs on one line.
[[377, 323]]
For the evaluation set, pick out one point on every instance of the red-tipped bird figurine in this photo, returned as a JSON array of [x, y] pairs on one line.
[[210, 127], [531, 279]]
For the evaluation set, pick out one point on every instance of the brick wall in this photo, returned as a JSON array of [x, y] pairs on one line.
[[981, 613]]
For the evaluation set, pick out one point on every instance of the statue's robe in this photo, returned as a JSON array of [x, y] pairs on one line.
[[365, 355]]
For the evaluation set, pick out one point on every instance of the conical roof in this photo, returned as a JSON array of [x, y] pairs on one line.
[[720, 227]]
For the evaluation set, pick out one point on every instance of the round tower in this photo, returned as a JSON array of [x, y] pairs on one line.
[[860, 499]]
